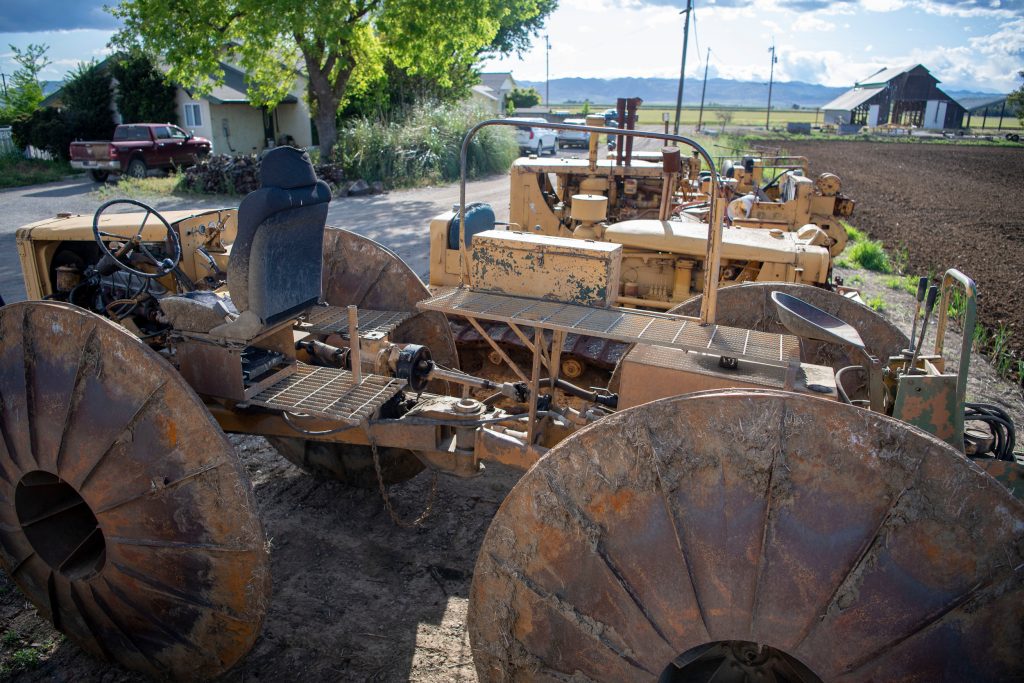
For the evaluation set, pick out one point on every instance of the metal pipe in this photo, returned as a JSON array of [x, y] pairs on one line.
[[355, 355], [922, 287], [929, 305]]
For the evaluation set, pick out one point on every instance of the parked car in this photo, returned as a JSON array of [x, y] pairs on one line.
[[532, 139], [137, 148], [611, 120], [574, 138]]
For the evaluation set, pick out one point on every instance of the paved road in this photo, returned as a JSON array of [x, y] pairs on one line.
[[398, 219]]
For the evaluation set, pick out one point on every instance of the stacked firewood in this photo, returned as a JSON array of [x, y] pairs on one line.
[[240, 175]]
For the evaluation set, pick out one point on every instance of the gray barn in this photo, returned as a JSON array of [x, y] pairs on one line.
[[902, 96]]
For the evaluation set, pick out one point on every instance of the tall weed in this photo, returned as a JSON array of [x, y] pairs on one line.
[[424, 148]]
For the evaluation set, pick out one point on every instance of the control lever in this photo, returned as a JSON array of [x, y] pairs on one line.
[[922, 286], [933, 293]]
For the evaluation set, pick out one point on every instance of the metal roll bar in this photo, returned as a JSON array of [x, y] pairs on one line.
[[712, 262]]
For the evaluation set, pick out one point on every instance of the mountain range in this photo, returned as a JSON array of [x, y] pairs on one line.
[[721, 91]]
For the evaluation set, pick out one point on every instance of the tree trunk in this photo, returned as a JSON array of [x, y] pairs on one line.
[[326, 126]]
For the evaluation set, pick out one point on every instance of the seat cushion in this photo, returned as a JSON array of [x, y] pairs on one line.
[[197, 311]]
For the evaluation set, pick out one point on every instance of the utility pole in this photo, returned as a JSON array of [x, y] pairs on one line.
[[700, 116], [682, 67], [771, 78], [547, 72]]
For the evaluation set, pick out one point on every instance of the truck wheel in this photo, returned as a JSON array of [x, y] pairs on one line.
[[99, 176], [136, 168]]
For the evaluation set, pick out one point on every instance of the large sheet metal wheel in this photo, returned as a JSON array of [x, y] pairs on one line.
[[749, 306], [125, 515], [362, 272], [749, 536]]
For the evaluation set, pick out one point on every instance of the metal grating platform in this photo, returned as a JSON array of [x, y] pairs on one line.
[[334, 320], [632, 326], [328, 393]]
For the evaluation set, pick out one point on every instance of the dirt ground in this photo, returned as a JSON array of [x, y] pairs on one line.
[[357, 598], [947, 206]]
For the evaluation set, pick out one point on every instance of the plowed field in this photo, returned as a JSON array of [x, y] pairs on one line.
[[947, 205]]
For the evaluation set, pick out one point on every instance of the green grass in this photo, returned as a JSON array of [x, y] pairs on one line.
[[907, 283], [876, 303], [140, 188], [869, 255], [10, 637], [756, 116], [26, 658], [853, 234], [16, 171]]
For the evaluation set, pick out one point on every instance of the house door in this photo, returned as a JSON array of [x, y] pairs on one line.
[[940, 115], [873, 115], [268, 128]]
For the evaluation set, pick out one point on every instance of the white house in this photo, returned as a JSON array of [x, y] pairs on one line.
[[234, 126], [227, 118], [493, 89]]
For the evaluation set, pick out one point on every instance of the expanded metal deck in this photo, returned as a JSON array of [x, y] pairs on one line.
[[334, 320], [631, 326], [329, 393]]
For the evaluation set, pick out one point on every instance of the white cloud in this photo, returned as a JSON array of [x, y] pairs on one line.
[[810, 23]]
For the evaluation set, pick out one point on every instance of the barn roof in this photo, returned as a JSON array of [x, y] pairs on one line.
[[851, 99], [885, 75]]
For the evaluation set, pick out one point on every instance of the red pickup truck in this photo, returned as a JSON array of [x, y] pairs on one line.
[[136, 148]]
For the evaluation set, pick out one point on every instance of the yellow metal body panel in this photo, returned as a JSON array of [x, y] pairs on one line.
[[651, 372], [542, 267], [39, 242]]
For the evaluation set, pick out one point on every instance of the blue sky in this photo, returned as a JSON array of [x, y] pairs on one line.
[[975, 45]]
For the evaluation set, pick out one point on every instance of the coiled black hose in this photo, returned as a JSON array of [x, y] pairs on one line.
[[1004, 437]]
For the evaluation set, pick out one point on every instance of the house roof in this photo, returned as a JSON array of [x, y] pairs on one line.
[[494, 79], [485, 91], [883, 76], [233, 89], [851, 99]]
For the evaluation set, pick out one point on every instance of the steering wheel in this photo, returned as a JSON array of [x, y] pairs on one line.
[[132, 243]]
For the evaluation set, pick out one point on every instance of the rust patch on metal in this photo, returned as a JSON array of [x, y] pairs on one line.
[[854, 543], [125, 515]]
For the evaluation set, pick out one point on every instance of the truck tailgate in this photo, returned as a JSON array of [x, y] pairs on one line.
[[97, 150]]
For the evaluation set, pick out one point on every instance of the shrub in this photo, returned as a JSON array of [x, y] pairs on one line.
[[870, 255], [45, 129], [424, 148]]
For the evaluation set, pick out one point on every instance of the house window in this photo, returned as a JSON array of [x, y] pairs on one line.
[[193, 116]]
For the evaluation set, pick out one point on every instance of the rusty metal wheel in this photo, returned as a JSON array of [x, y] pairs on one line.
[[348, 463], [799, 538], [125, 514], [359, 271], [750, 306]]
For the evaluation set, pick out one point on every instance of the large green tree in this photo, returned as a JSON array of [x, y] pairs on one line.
[[142, 93], [1016, 98], [342, 45], [86, 96], [23, 93]]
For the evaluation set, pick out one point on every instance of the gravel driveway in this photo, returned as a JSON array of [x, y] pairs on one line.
[[399, 219]]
